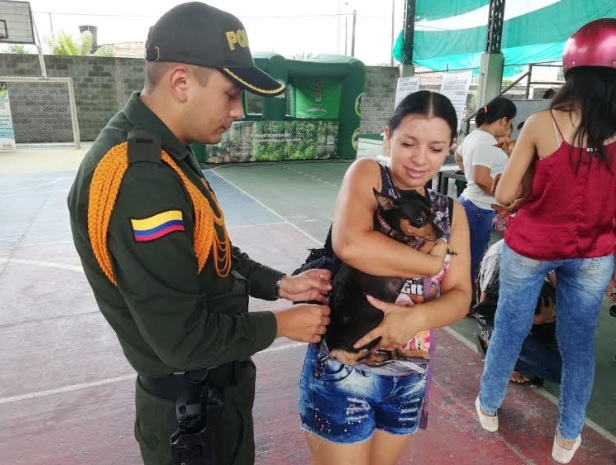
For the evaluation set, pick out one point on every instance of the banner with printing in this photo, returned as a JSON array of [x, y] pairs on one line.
[[7, 133], [455, 86], [406, 85]]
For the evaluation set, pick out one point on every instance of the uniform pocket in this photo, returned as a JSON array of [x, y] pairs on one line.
[[148, 437], [155, 422]]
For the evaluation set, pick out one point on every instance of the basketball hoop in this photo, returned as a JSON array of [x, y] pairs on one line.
[[4, 34], [16, 22]]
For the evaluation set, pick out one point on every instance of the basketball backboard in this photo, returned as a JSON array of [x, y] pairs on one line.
[[16, 22]]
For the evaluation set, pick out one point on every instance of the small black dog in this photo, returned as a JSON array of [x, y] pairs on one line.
[[408, 219]]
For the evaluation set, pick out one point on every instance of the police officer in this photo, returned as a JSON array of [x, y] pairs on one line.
[[153, 243]]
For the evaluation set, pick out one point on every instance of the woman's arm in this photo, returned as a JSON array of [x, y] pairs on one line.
[[513, 180], [401, 323], [482, 175], [355, 241], [459, 160]]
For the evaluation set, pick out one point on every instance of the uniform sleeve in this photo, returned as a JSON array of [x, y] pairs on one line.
[[262, 278], [157, 274]]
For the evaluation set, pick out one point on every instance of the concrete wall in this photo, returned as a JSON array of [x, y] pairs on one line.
[[102, 86], [378, 103]]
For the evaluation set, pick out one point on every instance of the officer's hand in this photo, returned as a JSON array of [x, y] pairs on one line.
[[303, 323], [309, 286]]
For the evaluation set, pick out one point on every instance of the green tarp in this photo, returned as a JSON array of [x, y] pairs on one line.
[[537, 36]]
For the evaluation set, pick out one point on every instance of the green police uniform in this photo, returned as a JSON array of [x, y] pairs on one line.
[[168, 315]]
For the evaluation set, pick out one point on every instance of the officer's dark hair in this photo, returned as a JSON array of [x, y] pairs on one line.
[[592, 91], [428, 104], [154, 72], [498, 108]]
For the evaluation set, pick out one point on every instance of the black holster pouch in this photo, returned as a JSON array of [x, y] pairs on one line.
[[198, 396], [198, 439]]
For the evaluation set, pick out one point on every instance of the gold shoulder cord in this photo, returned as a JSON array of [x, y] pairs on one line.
[[104, 189]]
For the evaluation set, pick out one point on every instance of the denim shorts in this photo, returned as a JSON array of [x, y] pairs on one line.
[[344, 405]]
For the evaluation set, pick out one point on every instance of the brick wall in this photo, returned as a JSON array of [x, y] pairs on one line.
[[102, 86]]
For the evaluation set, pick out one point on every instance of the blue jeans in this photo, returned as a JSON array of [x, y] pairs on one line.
[[580, 285], [480, 227], [345, 405]]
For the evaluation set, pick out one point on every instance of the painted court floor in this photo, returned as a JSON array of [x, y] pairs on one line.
[[66, 391]]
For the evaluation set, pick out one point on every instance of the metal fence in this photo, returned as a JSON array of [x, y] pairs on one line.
[[43, 110]]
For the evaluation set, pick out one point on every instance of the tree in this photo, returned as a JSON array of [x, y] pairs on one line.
[[302, 55], [18, 49], [64, 44]]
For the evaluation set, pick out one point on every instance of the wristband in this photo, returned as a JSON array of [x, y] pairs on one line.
[[278, 285]]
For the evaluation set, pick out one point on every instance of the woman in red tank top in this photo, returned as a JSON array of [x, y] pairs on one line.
[[564, 165]]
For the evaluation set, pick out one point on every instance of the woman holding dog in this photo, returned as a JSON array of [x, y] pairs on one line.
[[365, 414], [482, 159], [564, 162]]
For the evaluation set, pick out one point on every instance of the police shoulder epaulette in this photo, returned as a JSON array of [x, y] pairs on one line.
[[210, 233], [143, 146]]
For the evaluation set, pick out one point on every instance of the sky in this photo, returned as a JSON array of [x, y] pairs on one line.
[[281, 26]]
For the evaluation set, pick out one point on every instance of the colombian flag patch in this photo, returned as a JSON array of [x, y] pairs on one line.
[[157, 226]]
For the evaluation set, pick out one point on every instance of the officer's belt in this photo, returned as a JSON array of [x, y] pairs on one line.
[[171, 386]]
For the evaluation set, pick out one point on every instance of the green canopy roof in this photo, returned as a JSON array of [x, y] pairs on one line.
[[451, 34]]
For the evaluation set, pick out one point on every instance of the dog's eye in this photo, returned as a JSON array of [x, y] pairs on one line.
[[418, 221]]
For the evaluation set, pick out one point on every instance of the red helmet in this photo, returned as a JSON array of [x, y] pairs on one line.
[[594, 44]]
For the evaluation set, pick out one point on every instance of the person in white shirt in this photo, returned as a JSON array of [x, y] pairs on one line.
[[481, 160]]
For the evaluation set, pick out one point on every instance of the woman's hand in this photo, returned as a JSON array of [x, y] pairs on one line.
[[398, 327]]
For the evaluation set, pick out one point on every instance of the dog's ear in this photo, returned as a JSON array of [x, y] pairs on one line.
[[385, 202]]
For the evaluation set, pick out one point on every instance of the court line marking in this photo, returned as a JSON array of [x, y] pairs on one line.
[[250, 196], [47, 264], [36, 186], [10, 196], [42, 263], [44, 244], [117, 379]]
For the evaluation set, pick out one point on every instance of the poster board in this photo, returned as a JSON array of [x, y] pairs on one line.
[[455, 86], [406, 85], [7, 132]]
